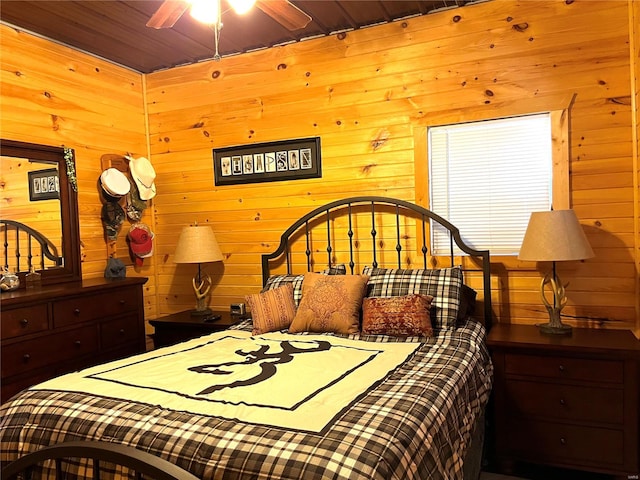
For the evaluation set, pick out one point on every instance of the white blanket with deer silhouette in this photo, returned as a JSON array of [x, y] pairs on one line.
[[294, 382]]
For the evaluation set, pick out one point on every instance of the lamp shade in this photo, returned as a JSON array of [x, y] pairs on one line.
[[197, 245], [554, 236]]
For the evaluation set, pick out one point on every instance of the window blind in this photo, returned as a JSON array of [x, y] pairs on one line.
[[487, 177]]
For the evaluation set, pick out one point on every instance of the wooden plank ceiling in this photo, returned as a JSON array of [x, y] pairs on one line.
[[116, 30]]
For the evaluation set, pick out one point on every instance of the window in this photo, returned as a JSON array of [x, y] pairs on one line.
[[487, 177]]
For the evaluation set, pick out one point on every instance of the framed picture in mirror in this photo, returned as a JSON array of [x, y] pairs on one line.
[[44, 184]]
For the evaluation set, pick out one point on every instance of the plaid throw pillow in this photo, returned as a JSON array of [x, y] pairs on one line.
[[442, 284], [340, 269], [276, 281]]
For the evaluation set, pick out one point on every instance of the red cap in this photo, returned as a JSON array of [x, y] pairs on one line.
[[140, 239]]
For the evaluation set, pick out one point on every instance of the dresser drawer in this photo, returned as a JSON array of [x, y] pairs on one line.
[[606, 371], [114, 333], [23, 321], [9, 389], [126, 351], [43, 351], [91, 307], [565, 402], [60, 328], [565, 443]]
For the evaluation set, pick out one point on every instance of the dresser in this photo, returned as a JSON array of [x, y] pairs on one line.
[[52, 330], [567, 401]]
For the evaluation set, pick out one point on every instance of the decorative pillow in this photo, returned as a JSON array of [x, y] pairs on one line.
[[272, 310], [398, 316], [276, 281], [467, 303], [330, 303], [340, 269], [442, 284]]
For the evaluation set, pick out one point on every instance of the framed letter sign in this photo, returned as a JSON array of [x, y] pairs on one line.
[[44, 184], [267, 162]]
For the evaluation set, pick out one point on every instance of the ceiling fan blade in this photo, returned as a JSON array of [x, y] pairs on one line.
[[285, 13], [168, 14]]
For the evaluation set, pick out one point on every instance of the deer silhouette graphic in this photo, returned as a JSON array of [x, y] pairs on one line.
[[266, 361]]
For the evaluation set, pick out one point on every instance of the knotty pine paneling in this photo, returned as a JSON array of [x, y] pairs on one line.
[[54, 95], [488, 59], [634, 40], [386, 82], [42, 215]]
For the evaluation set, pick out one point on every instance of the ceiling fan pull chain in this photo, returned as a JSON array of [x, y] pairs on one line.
[[216, 31], [216, 28]]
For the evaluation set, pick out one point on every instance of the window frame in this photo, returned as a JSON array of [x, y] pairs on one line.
[[559, 109]]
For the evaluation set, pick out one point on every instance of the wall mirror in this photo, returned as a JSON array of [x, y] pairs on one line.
[[39, 215]]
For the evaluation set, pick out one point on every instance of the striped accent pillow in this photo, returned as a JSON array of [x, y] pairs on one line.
[[442, 284], [273, 310]]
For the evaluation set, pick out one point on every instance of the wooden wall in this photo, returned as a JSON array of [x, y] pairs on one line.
[[387, 82], [634, 29], [54, 95], [42, 215], [369, 95]]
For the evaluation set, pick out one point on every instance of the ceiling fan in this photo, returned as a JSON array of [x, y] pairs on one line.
[[210, 12], [282, 11]]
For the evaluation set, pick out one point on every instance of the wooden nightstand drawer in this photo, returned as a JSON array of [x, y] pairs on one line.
[[566, 443], [564, 368], [23, 321], [565, 402], [39, 352], [182, 326], [84, 309]]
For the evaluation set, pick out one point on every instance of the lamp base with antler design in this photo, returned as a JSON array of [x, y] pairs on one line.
[[555, 325], [197, 244], [201, 287]]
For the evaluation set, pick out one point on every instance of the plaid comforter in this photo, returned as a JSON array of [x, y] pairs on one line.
[[416, 424]]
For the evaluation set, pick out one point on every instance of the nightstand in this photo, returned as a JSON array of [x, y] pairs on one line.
[[181, 326], [566, 401]]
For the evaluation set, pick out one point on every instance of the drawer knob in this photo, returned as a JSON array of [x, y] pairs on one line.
[[77, 343], [26, 357], [121, 331], [562, 441], [76, 311], [562, 402], [561, 368], [24, 322], [122, 302]]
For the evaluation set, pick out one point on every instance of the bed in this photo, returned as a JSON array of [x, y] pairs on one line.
[[340, 373]]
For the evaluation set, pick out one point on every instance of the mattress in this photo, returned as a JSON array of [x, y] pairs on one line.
[[408, 415]]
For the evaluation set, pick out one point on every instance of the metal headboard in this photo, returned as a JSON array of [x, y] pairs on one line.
[[47, 248], [401, 208]]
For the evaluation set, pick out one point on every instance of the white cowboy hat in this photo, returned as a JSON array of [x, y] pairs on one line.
[[144, 175]]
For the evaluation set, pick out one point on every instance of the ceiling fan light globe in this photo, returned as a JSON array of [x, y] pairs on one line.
[[242, 6], [205, 11]]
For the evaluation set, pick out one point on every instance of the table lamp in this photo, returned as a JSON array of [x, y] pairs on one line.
[[197, 244], [554, 236]]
